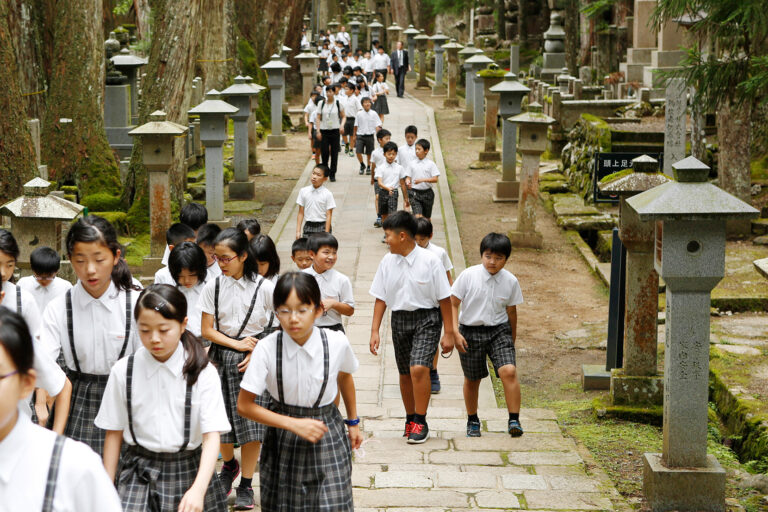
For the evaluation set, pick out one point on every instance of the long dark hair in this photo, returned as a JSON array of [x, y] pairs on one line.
[[264, 249], [92, 229], [16, 340], [171, 304], [238, 243]]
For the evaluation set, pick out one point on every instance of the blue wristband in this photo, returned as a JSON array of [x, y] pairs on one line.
[[352, 423]]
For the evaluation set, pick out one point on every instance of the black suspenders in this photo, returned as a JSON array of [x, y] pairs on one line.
[[53, 474], [18, 300], [279, 367], [247, 315]]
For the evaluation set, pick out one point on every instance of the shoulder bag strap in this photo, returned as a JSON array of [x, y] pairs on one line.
[[187, 417], [216, 304], [18, 300], [279, 366]]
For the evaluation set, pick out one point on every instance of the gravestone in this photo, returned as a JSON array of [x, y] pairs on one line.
[[34, 131], [438, 40], [674, 123], [410, 33], [554, 47], [643, 42], [452, 49], [511, 93], [514, 59], [275, 69], [129, 65], [667, 57], [117, 119], [467, 114]]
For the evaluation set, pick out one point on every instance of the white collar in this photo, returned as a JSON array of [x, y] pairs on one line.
[[85, 299], [13, 446], [174, 364], [312, 347], [411, 256], [487, 276]]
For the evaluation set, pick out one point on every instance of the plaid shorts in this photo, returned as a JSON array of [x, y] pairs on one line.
[[87, 392], [415, 335], [422, 201], [387, 202], [364, 144], [493, 341], [313, 227]]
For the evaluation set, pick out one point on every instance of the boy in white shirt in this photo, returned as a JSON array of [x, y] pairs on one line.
[[377, 158], [367, 123], [487, 328], [390, 175], [406, 153], [206, 236], [422, 173], [335, 287], [367, 65], [380, 62], [316, 204], [175, 235], [352, 106], [44, 285]]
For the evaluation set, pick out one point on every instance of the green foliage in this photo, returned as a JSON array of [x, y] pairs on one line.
[[250, 66], [137, 220], [596, 8], [123, 7], [117, 219], [435, 7], [101, 202]]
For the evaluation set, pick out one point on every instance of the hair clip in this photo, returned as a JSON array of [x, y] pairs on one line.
[[159, 307]]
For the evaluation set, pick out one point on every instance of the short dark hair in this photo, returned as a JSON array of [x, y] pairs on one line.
[[300, 244], [207, 234], [390, 146], [351, 85], [496, 243], [178, 232], [188, 256], [324, 239], [17, 341], [335, 67], [305, 285], [343, 81], [400, 221], [424, 143], [364, 98], [44, 260], [383, 133], [324, 168], [423, 227], [250, 225], [411, 129], [263, 249], [193, 215]]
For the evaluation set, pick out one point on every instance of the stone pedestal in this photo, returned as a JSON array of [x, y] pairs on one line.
[[468, 52], [117, 119], [667, 57], [421, 42], [275, 69], [243, 96], [159, 211], [452, 50], [410, 34], [511, 94], [643, 42], [554, 47], [489, 153], [214, 182], [689, 489], [477, 130], [254, 167]]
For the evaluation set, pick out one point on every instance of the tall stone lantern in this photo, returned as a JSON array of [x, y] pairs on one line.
[[478, 63], [511, 93], [491, 77], [157, 144], [469, 51], [452, 49], [410, 34], [354, 27], [374, 31], [689, 216], [308, 69], [533, 141], [213, 114], [393, 35], [242, 95], [275, 69], [129, 65], [421, 43], [438, 40]]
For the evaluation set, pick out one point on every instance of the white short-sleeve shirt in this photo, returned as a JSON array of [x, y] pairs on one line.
[[380, 88], [380, 61], [333, 285], [351, 105], [158, 396], [194, 314], [316, 202], [442, 254], [331, 114], [390, 174], [485, 297], [367, 122], [406, 154], [366, 65], [302, 368], [50, 377], [235, 297], [98, 326], [213, 271], [310, 107], [163, 276], [82, 484], [29, 309], [421, 169], [377, 158], [43, 294], [408, 283]]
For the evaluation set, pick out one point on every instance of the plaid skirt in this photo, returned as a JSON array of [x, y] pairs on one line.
[[243, 430], [380, 106], [156, 482], [87, 392], [296, 475]]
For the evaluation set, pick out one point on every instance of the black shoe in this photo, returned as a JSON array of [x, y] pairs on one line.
[[419, 433], [368, 170], [514, 428], [244, 498], [435, 381], [408, 426], [473, 428], [227, 476], [362, 169], [333, 178], [377, 224]]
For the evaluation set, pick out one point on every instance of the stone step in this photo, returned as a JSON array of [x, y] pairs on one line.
[[760, 227]]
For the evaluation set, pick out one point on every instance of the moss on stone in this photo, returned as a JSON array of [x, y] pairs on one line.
[[616, 175], [492, 71], [117, 219], [652, 415], [102, 202]]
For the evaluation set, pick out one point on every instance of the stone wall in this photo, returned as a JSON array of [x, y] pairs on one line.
[[590, 135]]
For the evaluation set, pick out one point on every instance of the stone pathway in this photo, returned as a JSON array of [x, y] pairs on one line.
[[543, 470]]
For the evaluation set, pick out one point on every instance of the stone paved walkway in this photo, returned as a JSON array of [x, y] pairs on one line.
[[543, 470]]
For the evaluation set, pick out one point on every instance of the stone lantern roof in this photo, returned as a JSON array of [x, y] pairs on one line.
[[213, 105], [411, 31], [354, 23], [439, 38], [375, 24], [275, 63], [157, 125], [453, 45], [37, 204], [510, 84], [242, 87], [533, 116], [126, 59]]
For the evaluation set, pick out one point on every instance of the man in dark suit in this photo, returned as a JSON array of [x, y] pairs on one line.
[[399, 66]]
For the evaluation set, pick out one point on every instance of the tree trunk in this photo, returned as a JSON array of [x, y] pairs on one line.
[[78, 152], [17, 159], [216, 61], [25, 26], [572, 36], [734, 136], [522, 28]]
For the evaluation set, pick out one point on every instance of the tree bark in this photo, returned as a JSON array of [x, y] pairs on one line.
[[25, 27], [572, 36], [17, 159], [217, 59], [522, 28], [734, 137], [78, 152]]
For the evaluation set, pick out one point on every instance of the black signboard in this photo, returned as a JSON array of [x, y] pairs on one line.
[[609, 163]]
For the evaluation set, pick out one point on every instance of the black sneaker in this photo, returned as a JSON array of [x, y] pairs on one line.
[[227, 476], [473, 428], [244, 498], [362, 169], [435, 381], [514, 428], [333, 178], [419, 433], [377, 224], [408, 427], [368, 170]]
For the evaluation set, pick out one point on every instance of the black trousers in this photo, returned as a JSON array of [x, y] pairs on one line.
[[330, 145], [400, 80]]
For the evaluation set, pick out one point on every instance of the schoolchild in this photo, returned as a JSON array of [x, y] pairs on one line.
[[380, 61], [43, 284], [411, 282], [364, 89], [351, 107], [324, 54], [367, 66], [193, 215], [92, 324], [366, 124], [423, 237], [267, 259], [188, 268], [306, 463], [406, 153], [390, 176], [16, 298], [488, 296], [383, 136], [316, 204], [300, 253], [164, 403], [335, 288], [422, 173], [357, 72], [251, 228], [206, 236], [175, 235], [330, 119], [343, 36], [41, 470], [336, 73], [380, 92], [310, 109], [315, 131], [236, 307]]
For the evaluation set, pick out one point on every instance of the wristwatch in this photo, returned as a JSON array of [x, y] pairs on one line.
[[352, 423]]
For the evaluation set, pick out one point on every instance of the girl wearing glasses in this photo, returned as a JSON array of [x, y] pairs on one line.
[[236, 307], [306, 460]]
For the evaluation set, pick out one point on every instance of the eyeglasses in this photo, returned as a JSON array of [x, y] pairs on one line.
[[286, 313], [223, 259], [8, 375], [45, 277]]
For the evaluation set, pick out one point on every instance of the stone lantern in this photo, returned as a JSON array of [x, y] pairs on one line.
[[308, 69], [242, 95], [393, 35], [637, 382], [438, 40], [491, 77], [374, 31], [308, 23], [129, 65], [157, 145], [410, 34], [689, 253], [477, 63], [421, 44], [333, 26], [254, 167], [284, 51], [533, 141], [354, 27], [469, 51], [452, 48], [275, 69], [37, 218], [511, 93], [213, 114]]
